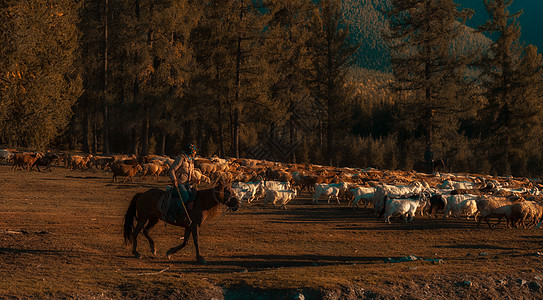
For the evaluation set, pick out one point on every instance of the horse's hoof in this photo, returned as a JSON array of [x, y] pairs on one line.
[[137, 255], [201, 261]]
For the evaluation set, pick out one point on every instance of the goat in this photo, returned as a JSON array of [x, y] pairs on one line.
[[524, 211], [362, 193], [6, 155], [279, 197], [45, 161], [124, 170], [152, 169], [406, 207], [492, 206], [456, 204], [24, 160], [330, 190], [393, 191]]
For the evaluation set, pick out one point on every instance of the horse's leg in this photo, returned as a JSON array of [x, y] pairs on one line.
[[152, 222], [170, 252], [199, 258], [135, 234]]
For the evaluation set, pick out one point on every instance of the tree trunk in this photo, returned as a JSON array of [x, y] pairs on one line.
[[134, 141], [106, 130], [94, 138], [105, 81], [162, 143], [292, 137], [236, 123], [221, 136], [236, 132], [145, 134], [86, 148]]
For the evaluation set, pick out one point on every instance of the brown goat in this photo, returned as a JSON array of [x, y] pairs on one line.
[[125, 170], [24, 160], [153, 169]]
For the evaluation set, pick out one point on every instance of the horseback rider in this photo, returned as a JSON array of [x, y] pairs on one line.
[[181, 174]]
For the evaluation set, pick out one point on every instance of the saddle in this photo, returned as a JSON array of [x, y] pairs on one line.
[[170, 205]]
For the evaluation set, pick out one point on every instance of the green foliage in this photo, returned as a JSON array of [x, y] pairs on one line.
[[421, 36], [39, 83], [233, 76], [511, 75]]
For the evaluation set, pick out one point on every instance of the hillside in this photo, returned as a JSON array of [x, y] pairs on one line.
[[366, 23], [529, 20]]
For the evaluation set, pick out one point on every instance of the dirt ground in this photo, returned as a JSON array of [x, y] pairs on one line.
[[61, 237]]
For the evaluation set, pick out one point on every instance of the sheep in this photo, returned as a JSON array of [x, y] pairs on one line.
[[276, 185], [225, 176], [124, 170], [121, 157]]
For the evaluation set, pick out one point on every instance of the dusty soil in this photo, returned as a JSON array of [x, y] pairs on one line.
[[60, 237]]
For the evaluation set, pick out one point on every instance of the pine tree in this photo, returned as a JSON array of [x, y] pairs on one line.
[[331, 56], [425, 68], [291, 62], [149, 68], [39, 82], [232, 69], [511, 77]]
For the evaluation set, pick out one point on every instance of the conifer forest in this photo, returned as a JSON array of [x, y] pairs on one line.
[[353, 83]]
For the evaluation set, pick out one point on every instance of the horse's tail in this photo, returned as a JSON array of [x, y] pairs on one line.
[[129, 220]]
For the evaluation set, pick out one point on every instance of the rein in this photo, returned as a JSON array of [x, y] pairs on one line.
[[222, 215], [217, 200]]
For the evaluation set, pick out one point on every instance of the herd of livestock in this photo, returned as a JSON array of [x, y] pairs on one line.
[[403, 194]]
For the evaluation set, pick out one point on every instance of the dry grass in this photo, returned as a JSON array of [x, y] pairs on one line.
[[60, 236]]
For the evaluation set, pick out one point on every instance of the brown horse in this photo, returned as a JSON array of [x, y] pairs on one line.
[[144, 209]]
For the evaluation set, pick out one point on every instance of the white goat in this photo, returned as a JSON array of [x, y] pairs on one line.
[[393, 191], [279, 197], [362, 193], [402, 207]]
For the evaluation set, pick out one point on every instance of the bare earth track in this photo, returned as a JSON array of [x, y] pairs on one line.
[[60, 237]]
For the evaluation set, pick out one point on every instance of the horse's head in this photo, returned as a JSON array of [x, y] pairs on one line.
[[227, 196]]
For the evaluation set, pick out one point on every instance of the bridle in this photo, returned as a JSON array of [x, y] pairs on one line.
[[215, 192]]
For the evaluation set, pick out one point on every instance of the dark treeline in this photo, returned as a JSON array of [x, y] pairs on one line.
[[276, 79]]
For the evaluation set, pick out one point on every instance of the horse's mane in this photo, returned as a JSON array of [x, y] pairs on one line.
[[215, 211]]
